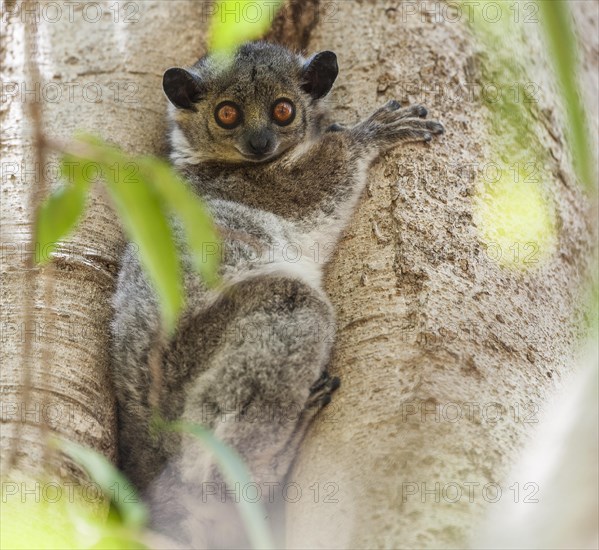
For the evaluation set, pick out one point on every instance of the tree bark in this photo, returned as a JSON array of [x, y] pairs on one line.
[[446, 358]]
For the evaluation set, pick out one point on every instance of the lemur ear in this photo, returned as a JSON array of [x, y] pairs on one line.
[[320, 71], [182, 88]]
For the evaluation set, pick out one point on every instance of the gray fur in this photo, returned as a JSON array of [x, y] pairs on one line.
[[248, 359]]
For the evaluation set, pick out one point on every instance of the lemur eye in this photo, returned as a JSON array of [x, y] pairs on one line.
[[283, 112], [227, 115]]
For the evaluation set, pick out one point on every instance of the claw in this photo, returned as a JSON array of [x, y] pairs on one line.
[[321, 390], [436, 127], [320, 383], [421, 111], [335, 127]]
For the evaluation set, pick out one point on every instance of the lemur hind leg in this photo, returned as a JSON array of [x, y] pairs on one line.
[[278, 343], [257, 390]]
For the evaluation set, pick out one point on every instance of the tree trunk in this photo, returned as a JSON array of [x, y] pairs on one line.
[[444, 354], [446, 357], [101, 66]]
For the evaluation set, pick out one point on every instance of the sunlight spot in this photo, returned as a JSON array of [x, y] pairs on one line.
[[515, 219]]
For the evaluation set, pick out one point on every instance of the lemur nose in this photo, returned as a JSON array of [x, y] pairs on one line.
[[259, 144]]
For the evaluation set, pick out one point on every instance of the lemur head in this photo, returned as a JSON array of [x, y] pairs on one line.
[[256, 107]]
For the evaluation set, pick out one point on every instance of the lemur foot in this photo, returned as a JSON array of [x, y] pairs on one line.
[[320, 396], [391, 124]]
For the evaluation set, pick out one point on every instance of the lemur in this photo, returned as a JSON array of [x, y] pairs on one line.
[[249, 358]]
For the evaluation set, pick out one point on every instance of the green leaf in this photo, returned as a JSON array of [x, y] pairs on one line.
[[200, 232], [112, 482], [139, 196], [41, 523], [61, 211], [237, 21], [145, 222], [235, 471], [562, 42], [118, 542]]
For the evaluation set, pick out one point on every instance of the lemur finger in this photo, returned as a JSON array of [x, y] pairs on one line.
[[392, 105], [419, 111], [391, 111], [406, 133], [432, 126], [387, 112]]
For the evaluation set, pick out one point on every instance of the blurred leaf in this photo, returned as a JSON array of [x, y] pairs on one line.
[[199, 229], [515, 222], [514, 209], [61, 211], [562, 43], [59, 514], [140, 199], [237, 21], [140, 210], [118, 542], [36, 522], [132, 512], [234, 471]]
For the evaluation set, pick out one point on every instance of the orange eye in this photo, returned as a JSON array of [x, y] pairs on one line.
[[283, 112], [227, 115]]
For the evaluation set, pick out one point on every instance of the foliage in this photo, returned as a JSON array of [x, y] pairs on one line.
[[60, 519], [513, 207], [237, 21], [562, 43], [133, 514], [143, 190]]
